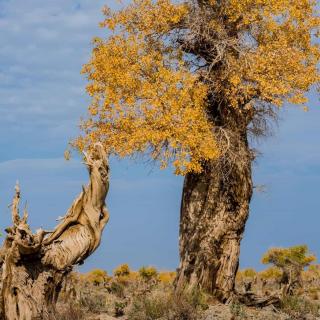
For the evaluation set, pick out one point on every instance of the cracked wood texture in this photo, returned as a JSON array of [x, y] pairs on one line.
[[35, 264], [214, 210]]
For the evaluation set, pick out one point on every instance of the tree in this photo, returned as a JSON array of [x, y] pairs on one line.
[[190, 83], [292, 262], [35, 265]]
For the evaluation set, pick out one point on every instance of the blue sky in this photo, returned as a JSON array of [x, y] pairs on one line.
[[42, 97]]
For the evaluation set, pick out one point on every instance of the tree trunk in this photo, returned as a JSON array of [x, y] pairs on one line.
[[34, 265], [291, 279], [214, 210]]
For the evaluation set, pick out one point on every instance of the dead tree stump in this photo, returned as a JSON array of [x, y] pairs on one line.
[[35, 264]]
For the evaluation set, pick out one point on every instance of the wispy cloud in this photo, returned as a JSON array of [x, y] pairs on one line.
[[43, 47]]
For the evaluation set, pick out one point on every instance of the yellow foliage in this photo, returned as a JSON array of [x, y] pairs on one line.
[[122, 270], [167, 277], [148, 273], [150, 96], [97, 276], [133, 276], [296, 256], [246, 274], [271, 273], [144, 99], [279, 62]]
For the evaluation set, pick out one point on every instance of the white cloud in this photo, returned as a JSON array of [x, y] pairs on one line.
[[43, 47]]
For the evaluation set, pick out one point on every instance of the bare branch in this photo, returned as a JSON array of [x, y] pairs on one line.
[[15, 205]]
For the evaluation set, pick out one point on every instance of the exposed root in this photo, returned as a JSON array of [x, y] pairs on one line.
[[251, 299]]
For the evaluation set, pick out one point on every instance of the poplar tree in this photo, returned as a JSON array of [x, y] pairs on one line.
[[189, 84]]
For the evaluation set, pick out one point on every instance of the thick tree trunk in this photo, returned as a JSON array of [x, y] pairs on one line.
[[34, 265], [214, 210]]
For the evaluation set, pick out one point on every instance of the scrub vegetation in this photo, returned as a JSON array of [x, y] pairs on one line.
[[149, 294]]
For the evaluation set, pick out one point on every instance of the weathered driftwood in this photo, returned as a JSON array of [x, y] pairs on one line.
[[34, 264]]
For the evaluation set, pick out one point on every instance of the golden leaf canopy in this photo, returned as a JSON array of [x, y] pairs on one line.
[[150, 90]]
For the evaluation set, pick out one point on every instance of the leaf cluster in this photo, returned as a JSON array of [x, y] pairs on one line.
[[182, 81], [97, 277], [122, 270], [148, 273], [271, 273], [298, 256]]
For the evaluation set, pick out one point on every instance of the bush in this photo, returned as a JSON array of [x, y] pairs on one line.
[[151, 307], [166, 305], [272, 273], [249, 273], [97, 277], [298, 307], [122, 270], [167, 277], [246, 274], [117, 288], [148, 273], [93, 301]]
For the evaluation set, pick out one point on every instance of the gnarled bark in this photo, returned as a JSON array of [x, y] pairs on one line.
[[214, 210], [35, 264]]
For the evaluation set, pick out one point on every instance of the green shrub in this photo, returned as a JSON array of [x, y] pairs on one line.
[[117, 289], [93, 301], [151, 307]]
